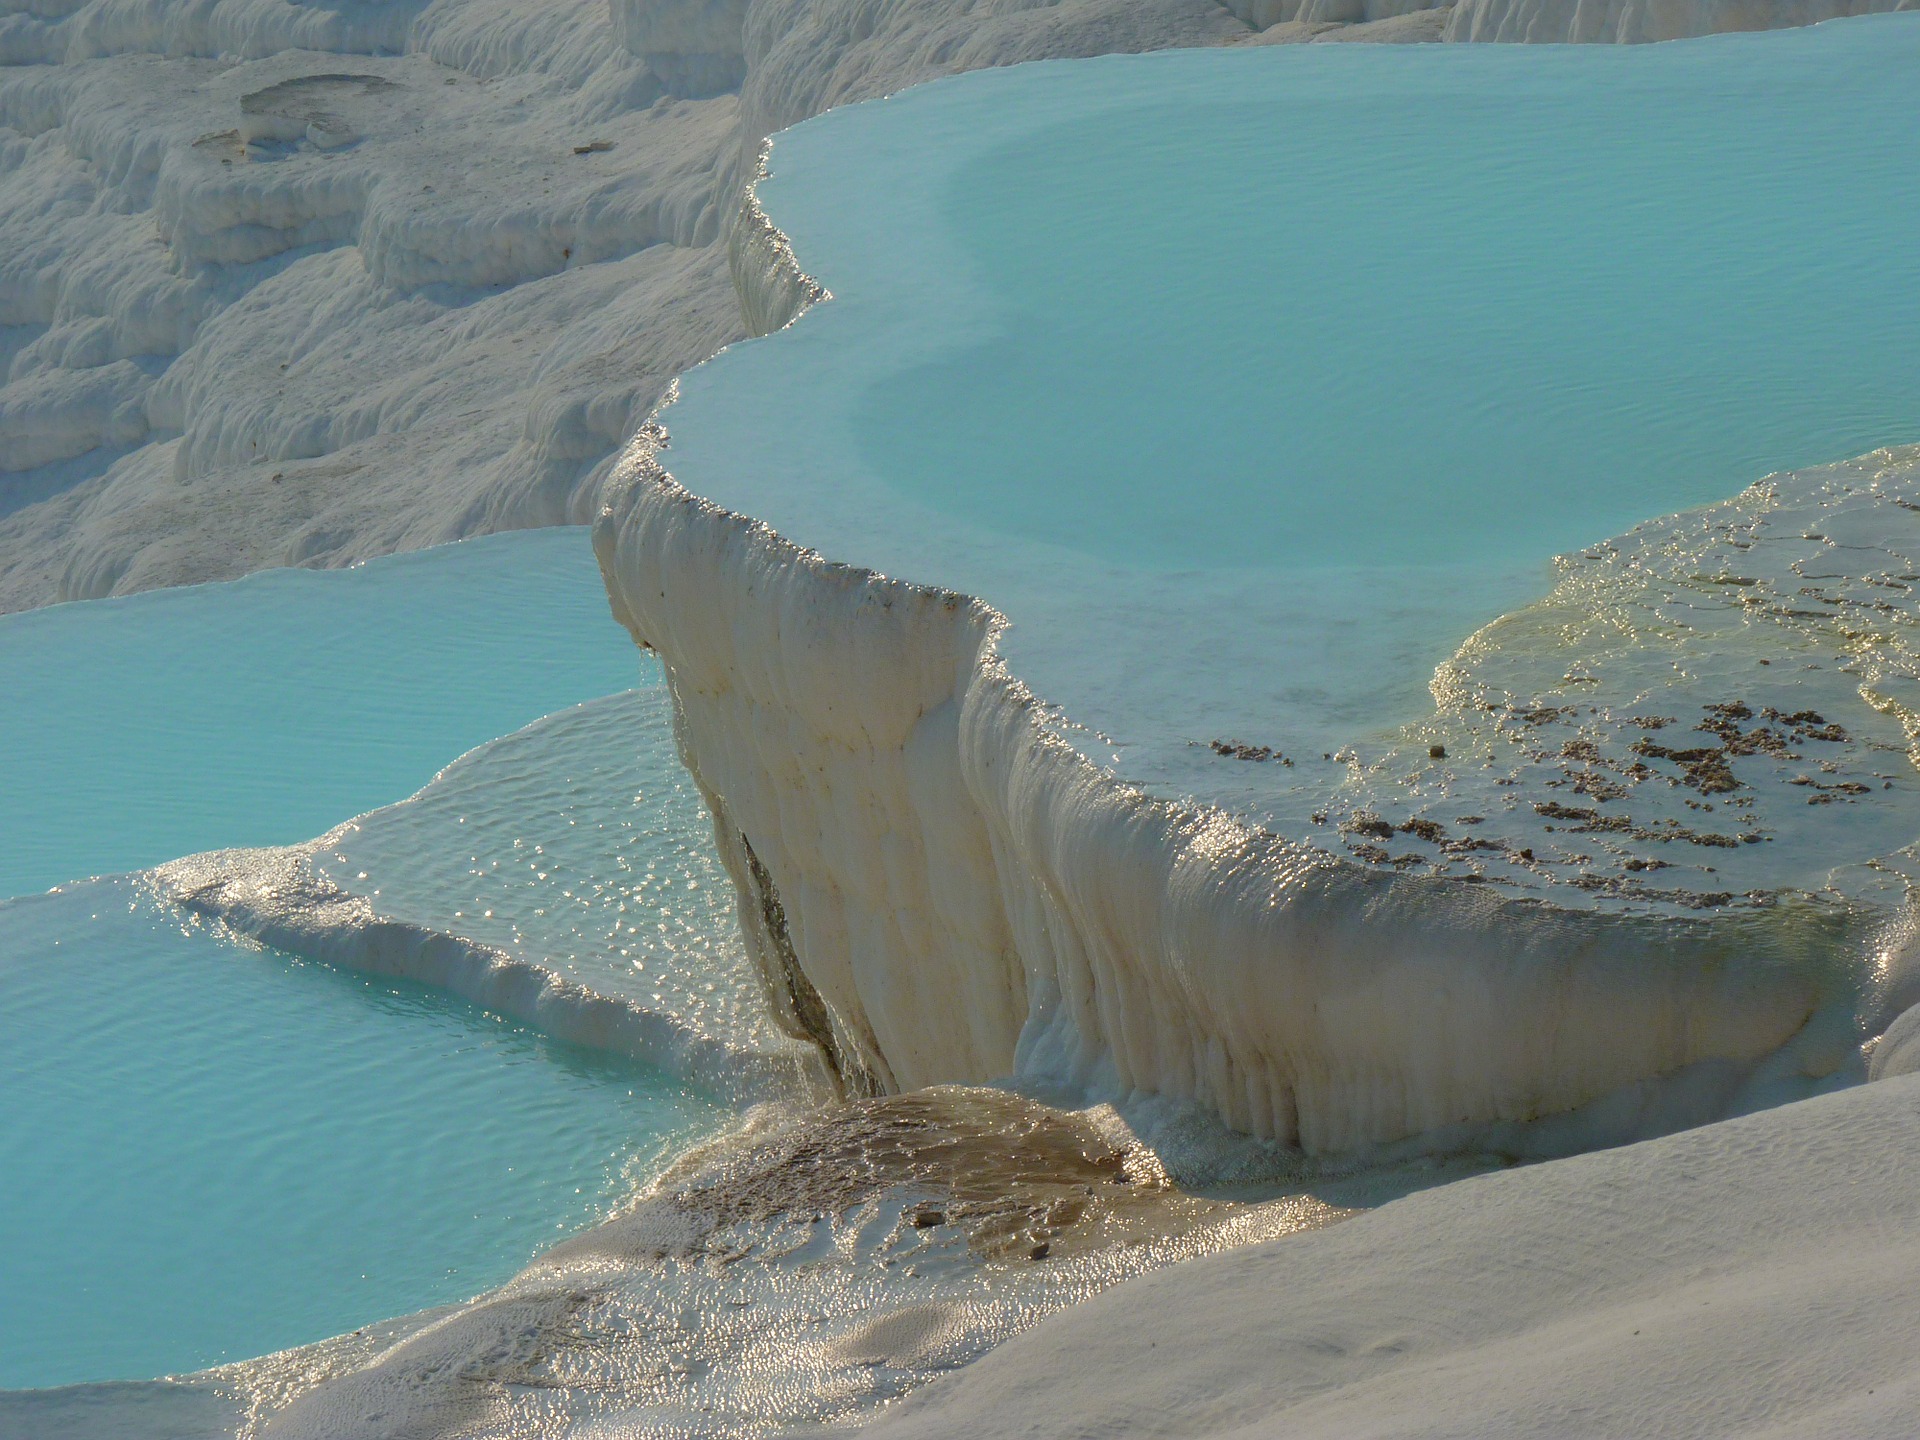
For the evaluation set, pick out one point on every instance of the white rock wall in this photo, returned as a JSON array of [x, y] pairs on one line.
[[972, 900], [317, 306], [697, 47]]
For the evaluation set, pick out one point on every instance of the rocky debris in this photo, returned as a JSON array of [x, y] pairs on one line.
[[1589, 822], [1367, 824], [1468, 844], [1737, 685], [1705, 768], [1239, 750], [1686, 899], [1594, 785], [1809, 725]]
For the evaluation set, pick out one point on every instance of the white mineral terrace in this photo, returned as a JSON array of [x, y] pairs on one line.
[[1305, 620], [1020, 783]]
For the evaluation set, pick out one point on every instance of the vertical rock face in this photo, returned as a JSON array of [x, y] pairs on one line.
[[767, 279], [968, 899], [696, 47], [804, 773]]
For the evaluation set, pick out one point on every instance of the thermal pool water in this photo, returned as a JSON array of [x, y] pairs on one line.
[[266, 710], [1250, 385], [578, 843], [564, 874], [213, 1151]]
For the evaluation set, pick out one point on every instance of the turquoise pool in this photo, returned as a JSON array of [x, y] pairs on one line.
[[209, 1150], [212, 1151], [1459, 315], [1250, 383], [267, 710]]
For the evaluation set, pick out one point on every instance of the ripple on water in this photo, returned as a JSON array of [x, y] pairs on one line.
[[580, 843], [214, 1151]]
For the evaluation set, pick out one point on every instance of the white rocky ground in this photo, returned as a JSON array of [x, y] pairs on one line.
[[1750, 1278], [300, 284]]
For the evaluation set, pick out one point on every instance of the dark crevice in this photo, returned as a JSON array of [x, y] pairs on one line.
[[795, 994]]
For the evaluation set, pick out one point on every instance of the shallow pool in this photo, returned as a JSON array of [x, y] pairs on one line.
[[266, 710], [1250, 383], [213, 1151], [1448, 315], [581, 845]]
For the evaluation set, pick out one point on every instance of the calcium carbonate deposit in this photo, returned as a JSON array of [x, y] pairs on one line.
[[1139, 789], [563, 875], [1268, 639]]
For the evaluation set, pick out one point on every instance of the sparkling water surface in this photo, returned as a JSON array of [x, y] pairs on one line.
[[580, 844], [212, 1151], [269, 709]]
